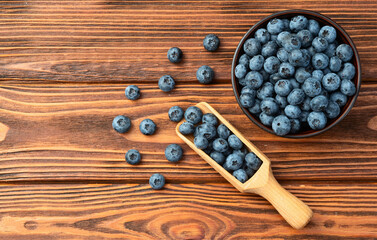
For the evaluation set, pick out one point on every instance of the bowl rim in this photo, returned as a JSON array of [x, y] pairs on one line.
[[314, 15]]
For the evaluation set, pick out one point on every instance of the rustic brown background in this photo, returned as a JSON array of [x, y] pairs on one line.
[[63, 69]]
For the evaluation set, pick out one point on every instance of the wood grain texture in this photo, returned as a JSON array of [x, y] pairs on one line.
[[63, 132], [127, 41], [187, 211]]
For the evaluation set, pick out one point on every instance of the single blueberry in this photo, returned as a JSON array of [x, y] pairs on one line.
[[206, 130], [292, 111], [252, 161], [283, 36], [291, 43], [218, 157], [335, 64], [296, 96], [317, 120], [347, 87], [320, 44], [173, 153], [274, 78], [303, 116], [193, 114], [302, 74], [281, 125], [269, 49], [250, 172], [175, 55], [328, 32], [254, 79], [220, 145], [175, 114], [248, 89], [201, 142], [223, 131], [348, 71], [186, 128], [312, 87], [132, 92], [332, 110], [210, 118], [339, 98], [305, 105], [294, 83], [271, 65], [266, 119], [297, 58], [282, 55], [211, 42], [157, 181], [269, 106], [286, 70], [147, 127], [313, 27], [275, 26], [283, 87], [307, 58], [233, 162], [244, 59], [330, 51], [133, 156], [319, 103], [121, 124], [281, 101], [256, 108], [262, 35], [331, 82], [305, 37], [234, 142], [320, 61], [240, 175], [298, 23], [205, 74], [242, 152], [318, 74], [256, 63], [247, 100], [295, 125], [166, 83], [240, 71], [344, 52], [252, 47]]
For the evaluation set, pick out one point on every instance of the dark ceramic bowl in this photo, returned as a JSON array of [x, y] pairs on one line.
[[341, 38]]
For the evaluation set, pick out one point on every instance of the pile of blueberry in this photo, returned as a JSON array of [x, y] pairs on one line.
[[295, 75], [166, 83], [219, 143]]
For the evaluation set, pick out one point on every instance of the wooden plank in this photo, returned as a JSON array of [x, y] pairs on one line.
[[120, 41], [188, 211], [63, 132]]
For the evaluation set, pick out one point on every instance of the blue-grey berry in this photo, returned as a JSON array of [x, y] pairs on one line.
[[233, 162], [320, 61], [234, 142], [271, 65], [331, 82], [256, 108], [348, 71], [281, 125], [344, 52], [269, 106], [266, 119], [347, 87], [275, 26], [218, 157], [175, 114], [281, 101], [147, 127], [248, 89], [205, 74], [282, 55], [210, 118], [318, 74], [269, 49], [166, 83], [211, 42], [295, 125], [252, 161], [201, 142], [247, 100], [240, 71], [220, 145], [335, 64], [267, 90], [305, 37], [244, 59], [283, 87], [317, 120], [320, 44], [296, 96], [133, 157], [256, 63], [339, 98], [319, 103], [294, 83], [292, 111], [291, 43], [254, 79], [175, 55], [281, 37], [193, 115], [302, 74], [328, 32], [313, 27], [330, 51], [186, 128], [262, 35], [121, 124], [132, 92], [157, 181], [223, 131], [286, 70], [173, 153], [305, 105], [252, 47], [274, 78], [240, 175], [332, 110], [312, 87], [298, 23]]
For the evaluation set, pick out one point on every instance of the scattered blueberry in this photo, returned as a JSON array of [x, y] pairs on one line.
[[147, 127], [133, 157], [186, 128], [121, 124], [175, 114], [317, 120], [281, 125], [240, 175], [173, 153], [132, 92], [205, 74], [166, 83], [157, 181], [175, 55], [193, 115], [211, 42]]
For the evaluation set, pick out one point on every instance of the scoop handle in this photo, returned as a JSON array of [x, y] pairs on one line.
[[293, 210]]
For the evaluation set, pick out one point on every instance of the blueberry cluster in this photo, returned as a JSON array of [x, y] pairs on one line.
[[220, 143], [295, 75]]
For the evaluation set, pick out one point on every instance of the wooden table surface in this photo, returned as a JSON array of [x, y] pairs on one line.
[[64, 66]]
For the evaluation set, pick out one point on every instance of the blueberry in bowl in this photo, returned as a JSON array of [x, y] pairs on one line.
[[296, 73]]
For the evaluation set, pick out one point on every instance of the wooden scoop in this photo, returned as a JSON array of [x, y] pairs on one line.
[[263, 183]]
